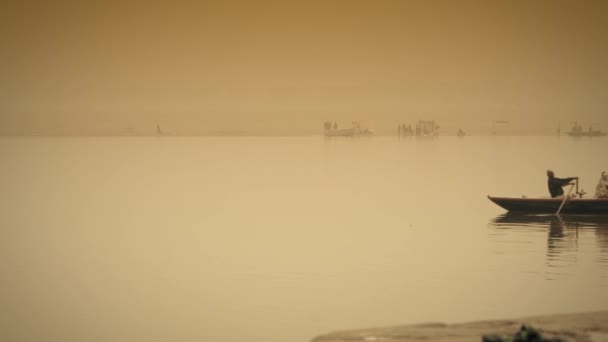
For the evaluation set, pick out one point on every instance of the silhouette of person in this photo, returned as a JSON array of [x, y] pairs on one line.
[[555, 184]]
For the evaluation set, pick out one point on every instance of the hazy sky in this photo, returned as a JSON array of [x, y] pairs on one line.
[[287, 66]]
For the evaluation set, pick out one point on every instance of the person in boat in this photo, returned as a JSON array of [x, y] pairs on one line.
[[602, 187], [555, 184]]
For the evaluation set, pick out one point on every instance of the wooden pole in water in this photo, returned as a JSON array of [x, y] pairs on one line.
[[565, 199]]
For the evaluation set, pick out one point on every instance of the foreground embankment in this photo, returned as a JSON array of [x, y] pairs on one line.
[[591, 326]]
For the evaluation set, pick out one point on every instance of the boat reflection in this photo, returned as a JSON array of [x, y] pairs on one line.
[[565, 234], [520, 219]]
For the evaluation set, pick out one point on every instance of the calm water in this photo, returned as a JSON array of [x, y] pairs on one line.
[[281, 239]]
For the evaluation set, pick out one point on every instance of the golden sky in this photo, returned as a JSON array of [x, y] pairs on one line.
[[282, 67]]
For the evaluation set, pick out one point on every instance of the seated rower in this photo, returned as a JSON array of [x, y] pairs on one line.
[[555, 184], [602, 187]]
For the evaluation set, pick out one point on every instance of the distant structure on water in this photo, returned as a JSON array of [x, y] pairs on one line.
[[578, 131], [460, 133], [425, 128], [405, 131], [159, 132], [356, 130]]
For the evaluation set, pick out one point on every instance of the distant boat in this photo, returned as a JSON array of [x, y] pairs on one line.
[[577, 131], [356, 130], [427, 128], [547, 205], [461, 133], [347, 132]]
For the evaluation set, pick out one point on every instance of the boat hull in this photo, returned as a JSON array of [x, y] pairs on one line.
[[349, 132], [551, 205], [592, 134]]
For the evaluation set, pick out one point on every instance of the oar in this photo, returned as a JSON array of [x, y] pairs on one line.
[[565, 199]]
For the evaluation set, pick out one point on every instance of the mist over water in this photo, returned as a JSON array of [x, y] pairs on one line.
[[284, 238]]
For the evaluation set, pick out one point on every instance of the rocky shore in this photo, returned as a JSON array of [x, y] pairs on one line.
[[591, 327]]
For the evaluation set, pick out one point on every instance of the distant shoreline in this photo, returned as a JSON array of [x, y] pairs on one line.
[[286, 135]]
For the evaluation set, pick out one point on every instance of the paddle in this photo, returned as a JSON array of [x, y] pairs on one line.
[[565, 199]]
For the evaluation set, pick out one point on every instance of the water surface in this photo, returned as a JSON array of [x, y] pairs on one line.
[[284, 238]]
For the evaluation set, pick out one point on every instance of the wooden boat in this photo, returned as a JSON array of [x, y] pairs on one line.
[[348, 132], [587, 134], [551, 205], [577, 131]]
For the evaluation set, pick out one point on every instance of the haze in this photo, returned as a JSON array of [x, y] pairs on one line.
[[283, 68]]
